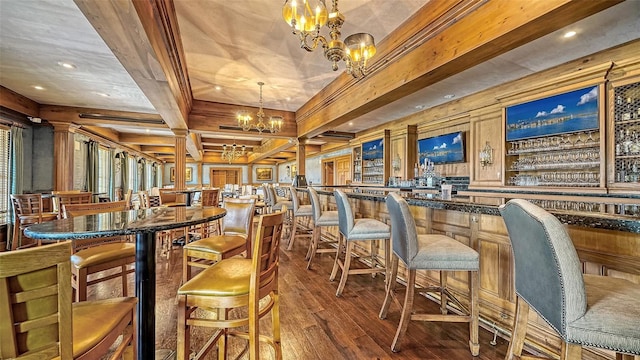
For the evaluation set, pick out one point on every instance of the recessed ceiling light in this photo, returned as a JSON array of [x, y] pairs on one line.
[[420, 107], [350, 123], [569, 34], [288, 98], [218, 87], [148, 131], [102, 94], [66, 65], [449, 96], [38, 87]]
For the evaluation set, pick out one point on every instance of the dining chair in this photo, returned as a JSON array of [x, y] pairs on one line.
[[236, 283], [208, 197], [584, 310], [300, 212], [168, 197], [93, 257], [70, 197], [352, 230], [27, 209], [234, 238], [39, 321], [429, 252]]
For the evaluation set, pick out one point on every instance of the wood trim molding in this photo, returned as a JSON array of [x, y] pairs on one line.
[[14, 101]]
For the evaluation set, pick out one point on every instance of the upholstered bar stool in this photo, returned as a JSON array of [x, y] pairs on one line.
[[589, 310], [300, 212], [249, 284], [352, 230], [235, 238], [320, 219], [429, 252]]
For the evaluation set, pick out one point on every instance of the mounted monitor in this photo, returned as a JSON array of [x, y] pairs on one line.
[[443, 149], [299, 181]]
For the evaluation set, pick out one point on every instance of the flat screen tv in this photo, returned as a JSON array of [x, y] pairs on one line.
[[373, 150], [443, 149]]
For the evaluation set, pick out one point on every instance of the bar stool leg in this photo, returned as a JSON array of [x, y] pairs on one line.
[[294, 228], [519, 330], [336, 261], [474, 345], [345, 268], [390, 287], [443, 293], [405, 318]]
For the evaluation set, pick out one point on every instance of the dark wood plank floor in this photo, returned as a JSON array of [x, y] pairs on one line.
[[317, 325]]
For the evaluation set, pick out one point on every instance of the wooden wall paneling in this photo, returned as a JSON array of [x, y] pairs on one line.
[[486, 127], [404, 148]]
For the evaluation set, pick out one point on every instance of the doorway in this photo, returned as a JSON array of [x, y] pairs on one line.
[[219, 177], [328, 172]]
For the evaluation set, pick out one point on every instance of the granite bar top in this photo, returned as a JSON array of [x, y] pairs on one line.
[[489, 206]]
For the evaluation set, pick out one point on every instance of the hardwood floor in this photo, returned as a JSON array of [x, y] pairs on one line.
[[317, 325]]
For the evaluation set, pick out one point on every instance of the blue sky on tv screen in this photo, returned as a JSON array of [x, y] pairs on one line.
[[563, 113], [442, 149], [372, 149]]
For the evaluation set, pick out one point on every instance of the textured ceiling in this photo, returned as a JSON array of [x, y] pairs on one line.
[[235, 44]]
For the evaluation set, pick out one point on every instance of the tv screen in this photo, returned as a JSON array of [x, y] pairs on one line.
[[373, 149], [443, 149]]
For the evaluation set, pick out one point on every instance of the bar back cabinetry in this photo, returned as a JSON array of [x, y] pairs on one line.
[[624, 122], [371, 160]]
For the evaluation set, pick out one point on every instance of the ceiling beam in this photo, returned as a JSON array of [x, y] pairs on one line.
[[96, 117], [270, 147], [143, 36], [426, 54], [147, 140], [16, 102], [158, 149], [230, 140]]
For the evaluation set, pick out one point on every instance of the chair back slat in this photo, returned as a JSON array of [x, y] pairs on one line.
[[210, 197], [71, 210], [266, 254], [35, 303], [548, 273], [144, 199]]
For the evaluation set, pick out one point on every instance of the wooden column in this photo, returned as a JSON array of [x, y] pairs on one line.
[[301, 158], [200, 174], [181, 158], [63, 142], [250, 174]]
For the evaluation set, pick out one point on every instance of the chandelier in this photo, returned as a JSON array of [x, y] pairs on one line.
[[232, 153], [245, 120], [306, 21]]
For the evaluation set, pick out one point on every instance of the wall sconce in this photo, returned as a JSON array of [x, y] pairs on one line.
[[396, 163], [486, 155]]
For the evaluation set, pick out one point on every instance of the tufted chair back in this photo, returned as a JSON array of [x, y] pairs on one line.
[[548, 272], [404, 235], [345, 215]]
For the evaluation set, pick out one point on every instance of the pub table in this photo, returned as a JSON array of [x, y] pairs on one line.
[[143, 224]]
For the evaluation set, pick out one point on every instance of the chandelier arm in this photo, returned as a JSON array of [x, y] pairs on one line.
[[314, 39]]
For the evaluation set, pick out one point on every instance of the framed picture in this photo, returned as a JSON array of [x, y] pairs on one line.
[[188, 174], [443, 149], [264, 174], [373, 150], [568, 112]]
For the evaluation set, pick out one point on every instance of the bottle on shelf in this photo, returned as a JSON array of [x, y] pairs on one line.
[[416, 171]]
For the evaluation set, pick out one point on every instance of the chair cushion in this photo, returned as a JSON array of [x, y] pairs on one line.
[[219, 244], [279, 205], [93, 320], [612, 319], [100, 254], [440, 252], [229, 277], [304, 210], [328, 218], [369, 229]]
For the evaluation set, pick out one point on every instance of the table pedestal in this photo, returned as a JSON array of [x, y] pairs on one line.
[[146, 293]]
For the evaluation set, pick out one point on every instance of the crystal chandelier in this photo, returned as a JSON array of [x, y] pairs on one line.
[[232, 153], [245, 120], [306, 21]]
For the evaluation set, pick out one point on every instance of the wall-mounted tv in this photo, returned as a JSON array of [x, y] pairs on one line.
[[448, 148], [373, 149]]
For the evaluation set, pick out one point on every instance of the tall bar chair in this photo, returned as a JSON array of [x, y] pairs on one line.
[[300, 212], [235, 238], [62, 198], [39, 321], [250, 284], [93, 257], [28, 211], [352, 230], [429, 252], [321, 219], [208, 197], [589, 310]]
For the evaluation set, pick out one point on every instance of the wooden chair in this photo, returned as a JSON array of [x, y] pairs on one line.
[[320, 219], [235, 283], [28, 211], [169, 198], [352, 230], [70, 197], [38, 320], [589, 310], [429, 252], [235, 238], [94, 256]]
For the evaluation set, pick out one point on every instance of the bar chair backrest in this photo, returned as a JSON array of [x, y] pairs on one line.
[[71, 197], [345, 214], [239, 217], [315, 203], [210, 197], [403, 228]]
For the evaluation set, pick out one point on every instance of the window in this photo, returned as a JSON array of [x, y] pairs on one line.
[[132, 167], [4, 175], [149, 173], [104, 170]]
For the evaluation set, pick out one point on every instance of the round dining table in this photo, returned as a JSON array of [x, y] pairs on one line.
[[143, 224]]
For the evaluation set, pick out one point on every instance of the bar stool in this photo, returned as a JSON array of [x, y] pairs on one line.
[[352, 230], [320, 219], [429, 252], [250, 284], [589, 310], [299, 212], [28, 211], [62, 198]]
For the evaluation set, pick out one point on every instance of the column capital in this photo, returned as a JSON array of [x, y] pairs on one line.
[[59, 126], [180, 132]]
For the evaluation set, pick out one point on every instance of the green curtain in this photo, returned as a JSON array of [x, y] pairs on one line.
[[142, 174], [92, 166], [16, 168], [111, 170], [124, 171]]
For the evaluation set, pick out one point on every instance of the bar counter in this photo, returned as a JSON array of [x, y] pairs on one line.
[[608, 244]]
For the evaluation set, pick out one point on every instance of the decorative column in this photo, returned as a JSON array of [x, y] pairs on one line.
[[200, 174], [181, 158], [301, 158], [250, 174], [63, 148]]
